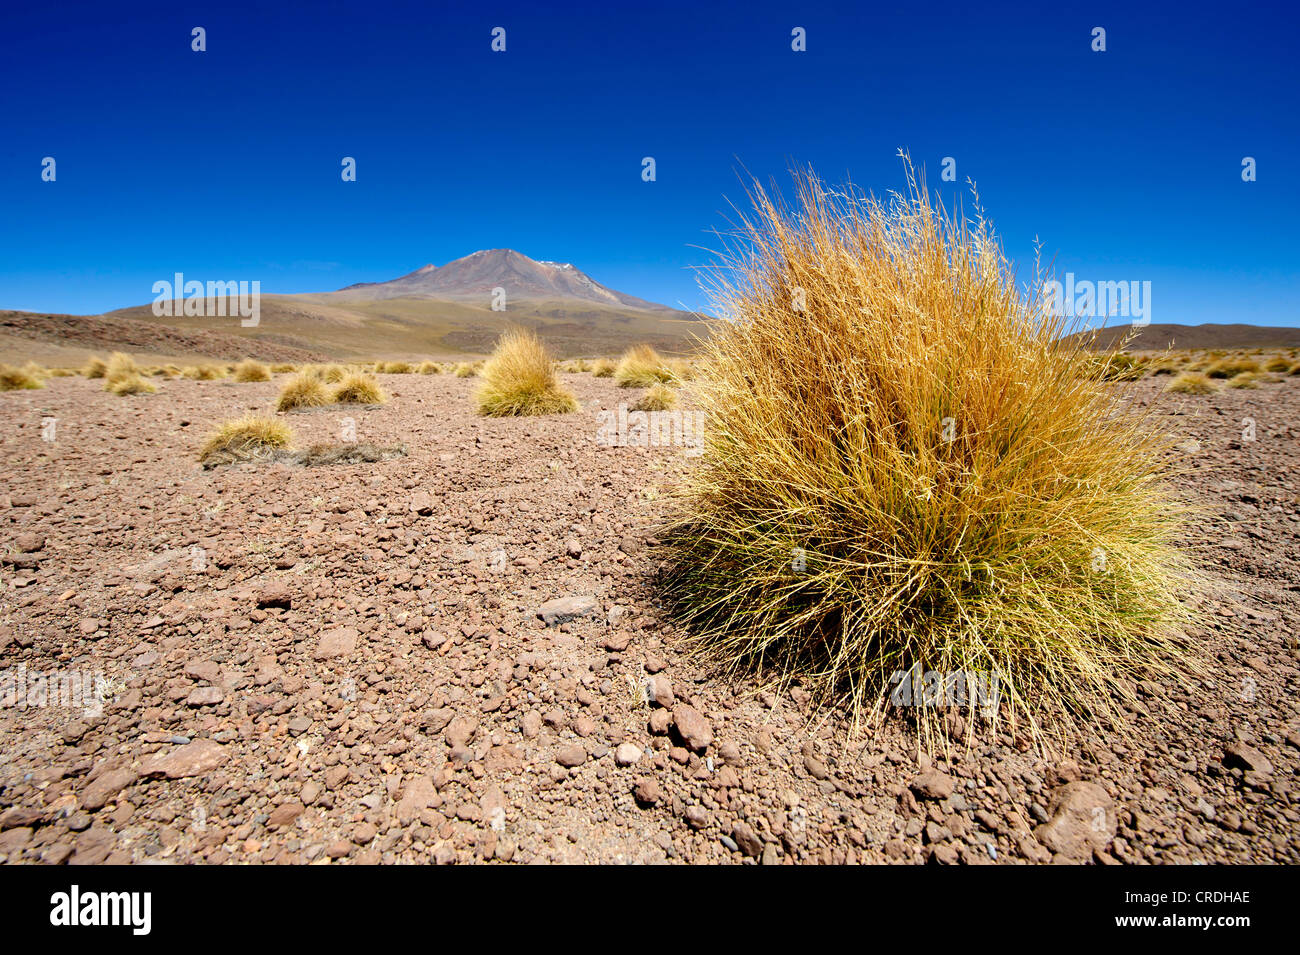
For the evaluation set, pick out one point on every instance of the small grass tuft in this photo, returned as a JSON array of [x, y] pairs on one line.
[[94, 368], [250, 370], [358, 388], [243, 438], [641, 367], [129, 384], [658, 398], [302, 391], [18, 379], [1190, 383]]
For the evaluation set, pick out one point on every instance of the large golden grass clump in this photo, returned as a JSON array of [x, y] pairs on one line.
[[905, 466], [520, 379]]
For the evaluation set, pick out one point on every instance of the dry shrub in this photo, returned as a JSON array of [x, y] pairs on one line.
[[913, 474], [94, 368], [129, 384], [206, 372], [602, 368], [1279, 363], [640, 367], [395, 368], [250, 370], [1231, 367], [464, 369], [1247, 379], [302, 391], [282, 368], [244, 438], [1190, 383], [120, 364], [18, 379], [520, 379], [430, 368], [358, 388], [658, 398]]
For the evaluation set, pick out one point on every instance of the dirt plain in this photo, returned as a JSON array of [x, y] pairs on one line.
[[349, 663]]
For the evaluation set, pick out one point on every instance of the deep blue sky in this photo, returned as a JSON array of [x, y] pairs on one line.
[[225, 164]]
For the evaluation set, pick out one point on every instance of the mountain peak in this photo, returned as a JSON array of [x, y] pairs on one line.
[[475, 276]]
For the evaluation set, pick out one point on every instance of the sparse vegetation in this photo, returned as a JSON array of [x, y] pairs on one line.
[[206, 372], [395, 368], [250, 370], [18, 379], [658, 398], [282, 368], [1190, 383], [944, 488], [520, 379], [1247, 379], [244, 438], [640, 367], [1278, 363], [302, 391], [94, 368], [1231, 367], [430, 368], [358, 388], [464, 369], [129, 384], [602, 368]]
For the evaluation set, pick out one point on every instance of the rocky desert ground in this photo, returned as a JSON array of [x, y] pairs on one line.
[[460, 653]]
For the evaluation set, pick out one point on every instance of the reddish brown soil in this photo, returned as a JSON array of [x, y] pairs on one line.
[[349, 668]]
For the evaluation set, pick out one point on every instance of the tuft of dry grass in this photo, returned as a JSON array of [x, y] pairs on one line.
[[1190, 383], [641, 367], [658, 398], [250, 370], [122, 376], [1247, 379], [282, 368], [1278, 363], [602, 368], [18, 379], [464, 369], [394, 367], [129, 384], [1231, 367], [520, 379], [358, 388], [94, 368], [120, 365], [206, 372], [303, 390], [430, 368], [912, 474], [243, 438]]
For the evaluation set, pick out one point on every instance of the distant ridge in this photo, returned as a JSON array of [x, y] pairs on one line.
[[1160, 337]]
